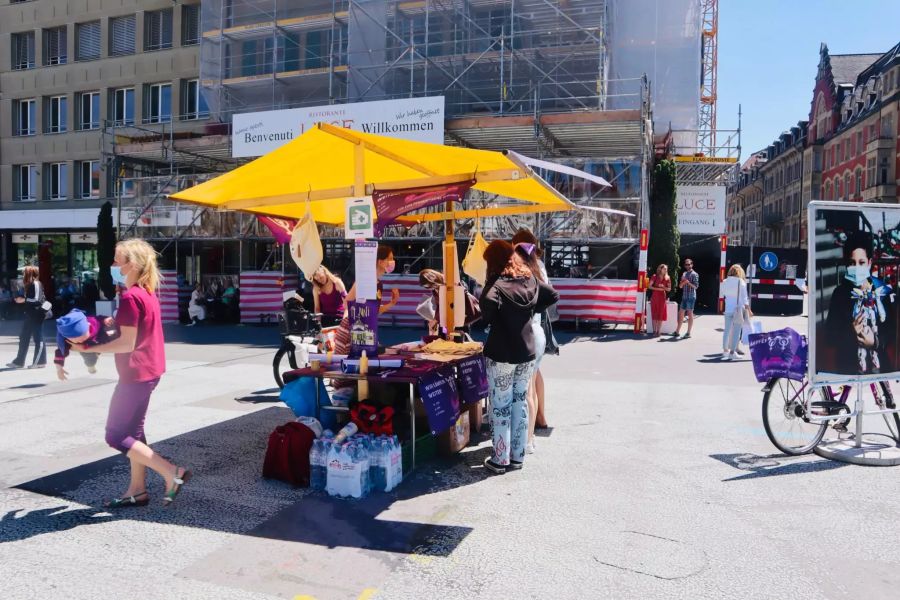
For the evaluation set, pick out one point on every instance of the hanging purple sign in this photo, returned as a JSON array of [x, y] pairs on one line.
[[472, 375], [440, 399], [782, 353], [363, 318]]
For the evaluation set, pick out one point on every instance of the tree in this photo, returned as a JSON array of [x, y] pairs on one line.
[[664, 235], [106, 250]]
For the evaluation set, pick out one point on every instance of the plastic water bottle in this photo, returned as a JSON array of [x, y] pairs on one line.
[[363, 458], [347, 432], [318, 460], [314, 476]]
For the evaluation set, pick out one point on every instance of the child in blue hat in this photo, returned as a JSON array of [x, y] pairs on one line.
[[78, 328]]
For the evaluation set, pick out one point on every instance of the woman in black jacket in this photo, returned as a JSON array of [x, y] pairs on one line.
[[32, 327], [511, 296]]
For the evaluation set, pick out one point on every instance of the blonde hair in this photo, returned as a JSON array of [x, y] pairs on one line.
[[737, 271], [661, 267], [329, 276], [143, 257]]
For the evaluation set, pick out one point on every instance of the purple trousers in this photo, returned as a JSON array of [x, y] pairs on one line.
[[127, 410]]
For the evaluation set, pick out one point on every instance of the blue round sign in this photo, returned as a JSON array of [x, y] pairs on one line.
[[768, 261]]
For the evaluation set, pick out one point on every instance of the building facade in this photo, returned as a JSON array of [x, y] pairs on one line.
[[848, 150], [72, 75]]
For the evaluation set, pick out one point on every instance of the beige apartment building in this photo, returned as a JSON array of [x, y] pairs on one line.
[[73, 75]]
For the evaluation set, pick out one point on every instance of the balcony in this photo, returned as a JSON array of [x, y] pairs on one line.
[[883, 142]]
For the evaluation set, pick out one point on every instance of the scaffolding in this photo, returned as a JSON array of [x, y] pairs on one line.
[[485, 56]]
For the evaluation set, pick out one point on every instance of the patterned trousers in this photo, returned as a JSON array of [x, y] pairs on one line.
[[509, 409]]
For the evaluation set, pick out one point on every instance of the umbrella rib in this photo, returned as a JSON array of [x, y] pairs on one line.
[[346, 135]]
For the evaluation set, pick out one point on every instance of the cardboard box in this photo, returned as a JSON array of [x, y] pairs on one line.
[[476, 416], [456, 438]]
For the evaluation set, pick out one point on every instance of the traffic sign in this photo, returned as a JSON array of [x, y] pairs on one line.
[[768, 261]]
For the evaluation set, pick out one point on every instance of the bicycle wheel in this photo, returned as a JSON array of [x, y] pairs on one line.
[[785, 418], [278, 368], [892, 421]]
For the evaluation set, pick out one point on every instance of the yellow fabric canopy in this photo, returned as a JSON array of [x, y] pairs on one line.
[[328, 164]]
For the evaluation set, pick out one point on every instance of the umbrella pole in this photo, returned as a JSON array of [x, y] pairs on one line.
[[449, 271]]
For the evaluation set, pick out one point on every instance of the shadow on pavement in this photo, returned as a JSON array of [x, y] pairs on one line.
[[228, 494], [773, 465]]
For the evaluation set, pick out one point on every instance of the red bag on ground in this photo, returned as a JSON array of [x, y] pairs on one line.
[[287, 455]]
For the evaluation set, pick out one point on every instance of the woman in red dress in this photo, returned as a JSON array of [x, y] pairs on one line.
[[660, 285]]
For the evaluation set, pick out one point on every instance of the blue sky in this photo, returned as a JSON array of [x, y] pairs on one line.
[[769, 49]]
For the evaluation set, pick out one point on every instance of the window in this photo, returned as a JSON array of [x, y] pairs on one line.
[[121, 35], [887, 126], [55, 46], [859, 143], [23, 50], [56, 114], [57, 184], [26, 183], [858, 189], [847, 186], [89, 110], [87, 40], [158, 103], [24, 117], [89, 179], [190, 24], [158, 29], [870, 172], [883, 171], [193, 104], [123, 106]]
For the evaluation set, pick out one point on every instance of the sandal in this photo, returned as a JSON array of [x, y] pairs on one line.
[[178, 483], [129, 502]]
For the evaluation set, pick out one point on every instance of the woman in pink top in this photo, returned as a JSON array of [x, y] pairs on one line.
[[140, 361], [328, 296]]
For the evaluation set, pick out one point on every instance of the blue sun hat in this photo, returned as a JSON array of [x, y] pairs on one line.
[[72, 325]]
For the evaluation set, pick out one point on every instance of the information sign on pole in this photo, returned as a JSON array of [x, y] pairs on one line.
[[365, 259], [359, 219]]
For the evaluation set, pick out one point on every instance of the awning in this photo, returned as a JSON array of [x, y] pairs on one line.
[[328, 164]]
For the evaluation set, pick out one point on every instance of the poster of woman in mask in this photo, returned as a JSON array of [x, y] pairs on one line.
[[855, 264]]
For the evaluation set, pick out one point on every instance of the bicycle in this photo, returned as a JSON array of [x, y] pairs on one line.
[[794, 423], [298, 327]]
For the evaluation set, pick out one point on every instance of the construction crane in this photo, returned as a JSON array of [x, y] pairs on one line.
[[709, 29]]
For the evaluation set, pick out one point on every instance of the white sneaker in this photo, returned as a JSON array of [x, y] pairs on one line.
[[529, 448], [726, 356], [734, 356]]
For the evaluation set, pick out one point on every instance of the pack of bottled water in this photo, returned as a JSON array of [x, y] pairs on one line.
[[359, 465]]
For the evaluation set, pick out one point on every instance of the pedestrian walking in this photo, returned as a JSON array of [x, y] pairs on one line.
[[690, 281], [140, 362], [33, 323], [511, 296], [737, 311], [660, 286]]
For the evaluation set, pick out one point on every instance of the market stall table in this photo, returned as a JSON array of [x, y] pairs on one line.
[[446, 386]]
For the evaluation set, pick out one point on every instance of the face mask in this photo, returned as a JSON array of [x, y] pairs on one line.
[[389, 266], [858, 274], [117, 275]]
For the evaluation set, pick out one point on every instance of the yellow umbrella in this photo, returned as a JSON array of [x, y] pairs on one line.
[[328, 164]]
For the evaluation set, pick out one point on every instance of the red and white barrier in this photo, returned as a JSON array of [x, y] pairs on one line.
[[777, 296], [262, 295], [640, 300], [722, 273], [168, 296], [403, 314], [607, 300]]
